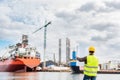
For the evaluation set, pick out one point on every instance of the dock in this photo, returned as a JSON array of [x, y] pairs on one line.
[[76, 69], [54, 71], [81, 71], [109, 72], [104, 72]]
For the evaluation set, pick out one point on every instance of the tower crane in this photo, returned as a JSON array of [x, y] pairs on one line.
[[45, 32]]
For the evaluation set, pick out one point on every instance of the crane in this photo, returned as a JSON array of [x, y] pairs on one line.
[[45, 32]]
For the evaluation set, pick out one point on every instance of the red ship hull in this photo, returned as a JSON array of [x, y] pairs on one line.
[[19, 64]]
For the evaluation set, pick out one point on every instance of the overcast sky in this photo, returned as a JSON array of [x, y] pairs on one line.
[[84, 22]]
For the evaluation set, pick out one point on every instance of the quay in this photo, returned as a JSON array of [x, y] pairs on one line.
[[103, 72], [109, 72], [79, 71], [54, 71]]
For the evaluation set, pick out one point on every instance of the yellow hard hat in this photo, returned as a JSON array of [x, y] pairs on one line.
[[91, 48]]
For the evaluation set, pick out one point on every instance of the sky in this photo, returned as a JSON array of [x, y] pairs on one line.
[[85, 23]]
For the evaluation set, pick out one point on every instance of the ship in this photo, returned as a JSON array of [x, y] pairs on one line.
[[74, 68], [73, 64], [21, 57]]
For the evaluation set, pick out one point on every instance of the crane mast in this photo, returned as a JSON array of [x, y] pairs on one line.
[[45, 33]]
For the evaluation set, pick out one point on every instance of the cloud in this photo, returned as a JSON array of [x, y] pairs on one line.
[[26, 13], [95, 7], [101, 26], [87, 7], [72, 19], [69, 16], [113, 4], [103, 33]]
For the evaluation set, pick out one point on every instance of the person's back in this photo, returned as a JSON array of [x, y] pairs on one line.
[[91, 65]]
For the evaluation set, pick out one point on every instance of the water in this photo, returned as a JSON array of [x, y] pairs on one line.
[[52, 76]]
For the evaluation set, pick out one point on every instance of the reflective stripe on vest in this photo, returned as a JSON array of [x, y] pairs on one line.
[[91, 67]]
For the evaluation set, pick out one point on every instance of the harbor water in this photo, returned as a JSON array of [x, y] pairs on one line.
[[52, 76]]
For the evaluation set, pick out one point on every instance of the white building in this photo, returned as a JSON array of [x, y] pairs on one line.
[[111, 65]]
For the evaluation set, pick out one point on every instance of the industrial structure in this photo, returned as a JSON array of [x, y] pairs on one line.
[[24, 40], [59, 52], [67, 51]]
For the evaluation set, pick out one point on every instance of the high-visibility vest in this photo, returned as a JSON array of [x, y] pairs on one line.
[[91, 67]]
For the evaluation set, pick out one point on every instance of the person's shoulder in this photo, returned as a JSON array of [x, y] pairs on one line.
[[96, 57], [85, 57]]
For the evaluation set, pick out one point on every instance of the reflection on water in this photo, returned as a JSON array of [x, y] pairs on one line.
[[76, 76], [18, 76], [52, 76]]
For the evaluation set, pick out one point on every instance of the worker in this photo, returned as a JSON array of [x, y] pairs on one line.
[[91, 64]]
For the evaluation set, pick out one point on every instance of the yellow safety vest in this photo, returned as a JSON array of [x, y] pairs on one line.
[[91, 67]]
